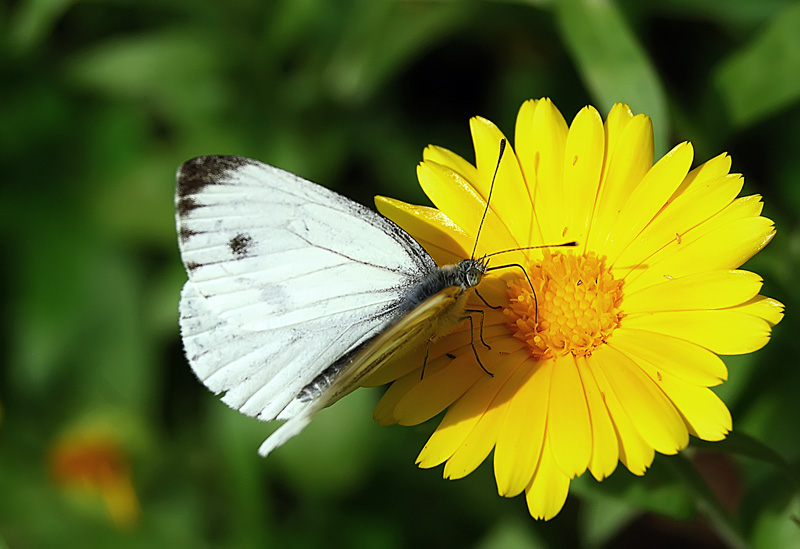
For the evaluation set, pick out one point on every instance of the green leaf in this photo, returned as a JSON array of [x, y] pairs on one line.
[[33, 22], [612, 62], [778, 528], [762, 79], [511, 533], [746, 446], [381, 38], [707, 502], [177, 70], [734, 13]]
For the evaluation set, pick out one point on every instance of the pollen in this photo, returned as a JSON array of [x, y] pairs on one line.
[[578, 303]]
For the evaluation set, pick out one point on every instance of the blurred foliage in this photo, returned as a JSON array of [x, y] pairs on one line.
[[100, 102]]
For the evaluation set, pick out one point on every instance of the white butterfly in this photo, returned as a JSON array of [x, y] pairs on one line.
[[295, 293]]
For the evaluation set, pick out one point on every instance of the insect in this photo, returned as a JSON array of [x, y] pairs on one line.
[[295, 293]]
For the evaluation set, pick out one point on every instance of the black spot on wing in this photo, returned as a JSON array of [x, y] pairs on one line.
[[240, 244], [199, 172], [191, 266]]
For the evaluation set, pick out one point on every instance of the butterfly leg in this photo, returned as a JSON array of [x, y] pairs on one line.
[[472, 337], [535, 301], [495, 307], [425, 362]]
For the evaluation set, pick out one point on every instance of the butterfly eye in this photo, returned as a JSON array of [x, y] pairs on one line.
[[473, 277]]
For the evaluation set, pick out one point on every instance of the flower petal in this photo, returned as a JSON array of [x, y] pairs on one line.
[[724, 331], [437, 390], [605, 446], [384, 411], [725, 247], [697, 204], [548, 488], [686, 361], [767, 308], [510, 200], [718, 166], [704, 413], [583, 165], [704, 290], [634, 452], [647, 198], [436, 232], [628, 162], [618, 117], [651, 412], [463, 416], [524, 140], [460, 201], [540, 138], [568, 425], [482, 438], [521, 434], [442, 156]]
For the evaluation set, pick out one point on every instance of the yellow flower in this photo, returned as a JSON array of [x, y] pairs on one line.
[[618, 360], [92, 463]]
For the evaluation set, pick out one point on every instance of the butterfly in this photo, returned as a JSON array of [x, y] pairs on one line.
[[296, 293]]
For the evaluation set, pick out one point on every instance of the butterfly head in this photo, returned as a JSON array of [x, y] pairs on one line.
[[471, 271]]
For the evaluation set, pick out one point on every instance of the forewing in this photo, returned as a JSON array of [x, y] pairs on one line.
[[285, 277], [271, 250]]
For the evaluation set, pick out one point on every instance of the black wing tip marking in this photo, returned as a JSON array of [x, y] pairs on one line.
[[197, 173], [185, 234]]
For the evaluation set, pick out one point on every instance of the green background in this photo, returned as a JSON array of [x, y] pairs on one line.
[[101, 100]]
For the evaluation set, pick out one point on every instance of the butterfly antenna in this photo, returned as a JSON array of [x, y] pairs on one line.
[[489, 198]]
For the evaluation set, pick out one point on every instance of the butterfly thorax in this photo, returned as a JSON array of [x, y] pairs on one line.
[[464, 275]]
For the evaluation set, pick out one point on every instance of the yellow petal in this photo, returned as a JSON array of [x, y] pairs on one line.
[[605, 446], [480, 441], [650, 411], [767, 308], [725, 247], [460, 201], [689, 362], [647, 198], [583, 165], [444, 349], [548, 488], [698, 204], [437, 390], [453, 161], [521, 435], [568, 425], [741, 208], [718, 166], [634, 452], [704, 413], [384, 411], [618, 117], [463, 416], [437, 233], [510, 200], [550, 136], [524, 140], [705, 290], [724, 332], [629, 161]]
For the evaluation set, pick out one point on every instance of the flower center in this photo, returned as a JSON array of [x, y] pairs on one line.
[[578, 301]]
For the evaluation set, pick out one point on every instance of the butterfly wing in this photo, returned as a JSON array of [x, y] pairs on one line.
[[409, 332], [285, 277]]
